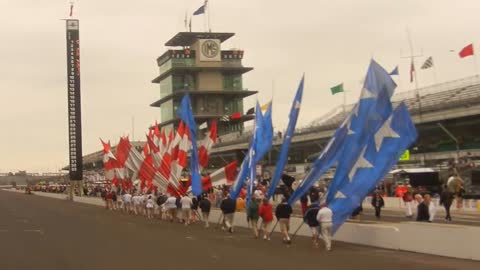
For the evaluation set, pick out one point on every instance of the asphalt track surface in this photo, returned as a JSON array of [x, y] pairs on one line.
[[42, 233]]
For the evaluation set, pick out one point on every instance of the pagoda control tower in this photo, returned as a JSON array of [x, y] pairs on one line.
[[212, 77]]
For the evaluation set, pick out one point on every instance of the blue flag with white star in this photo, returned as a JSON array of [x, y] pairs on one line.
[[260, 144], [377, 84], [373, 108], [282, 159], [382, 151], [185, 113]]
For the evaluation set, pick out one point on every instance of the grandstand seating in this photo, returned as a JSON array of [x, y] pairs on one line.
[[454, 94]]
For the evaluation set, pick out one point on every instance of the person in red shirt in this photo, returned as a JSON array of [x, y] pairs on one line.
[[266, 213]]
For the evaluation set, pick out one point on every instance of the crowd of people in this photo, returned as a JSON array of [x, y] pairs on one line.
[[260, 212]]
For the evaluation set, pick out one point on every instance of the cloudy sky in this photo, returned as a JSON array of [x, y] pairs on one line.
[[331, 41]]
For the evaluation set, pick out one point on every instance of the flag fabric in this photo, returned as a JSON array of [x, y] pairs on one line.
[[241, 176], [225, 118], [223, 176], [337, 143], [282, 159], [110, 164], [412, 70], [186, 114], [337, 89], [201, 10], [394, 71], [250, 111], [373, 108], [260, 144], [204, 125], [382, 151], [428, 63], [467, 51], [143, 167], [206, 145], [265, 107], [236, 116]]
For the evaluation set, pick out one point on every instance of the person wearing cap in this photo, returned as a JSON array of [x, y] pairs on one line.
[[324, 217]]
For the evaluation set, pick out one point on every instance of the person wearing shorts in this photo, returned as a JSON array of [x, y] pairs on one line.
[[283, 213], [266, 213], [310, 218]]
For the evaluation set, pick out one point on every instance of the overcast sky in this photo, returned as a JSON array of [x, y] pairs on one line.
[[331, 41]]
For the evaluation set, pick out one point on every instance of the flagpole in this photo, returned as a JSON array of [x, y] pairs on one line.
[[209, 11], [205, 17]]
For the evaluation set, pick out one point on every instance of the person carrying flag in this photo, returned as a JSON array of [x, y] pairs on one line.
[[252, 216], [283, 213], [266, 213], [325, 218], [310, 218], [228, 209], [205, 206]]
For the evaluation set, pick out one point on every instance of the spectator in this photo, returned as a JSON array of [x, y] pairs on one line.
[[283, 213], [422, 209], [127, 202], [408, 200], [446, 199], [377, 203]]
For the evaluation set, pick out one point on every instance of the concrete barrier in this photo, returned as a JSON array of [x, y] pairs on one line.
[[457, 241]]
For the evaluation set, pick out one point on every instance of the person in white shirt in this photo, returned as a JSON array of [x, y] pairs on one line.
[[324, 217], [138, 204], [127, 202], [171, 207], [149, 206], [431, 207], [186, 203]]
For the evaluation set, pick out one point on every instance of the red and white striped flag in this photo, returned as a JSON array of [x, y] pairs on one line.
[[179, 160], [129, 157], [206, 146], [223, 176], [113, 170]]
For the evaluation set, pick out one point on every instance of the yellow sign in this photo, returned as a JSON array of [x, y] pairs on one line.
[[405, 156]]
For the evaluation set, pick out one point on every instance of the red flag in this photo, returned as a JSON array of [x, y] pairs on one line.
[[412, 70], [206, 146], [236, 116], [467, 51]]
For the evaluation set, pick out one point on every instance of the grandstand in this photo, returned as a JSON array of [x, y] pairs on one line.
[[454, 104]]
